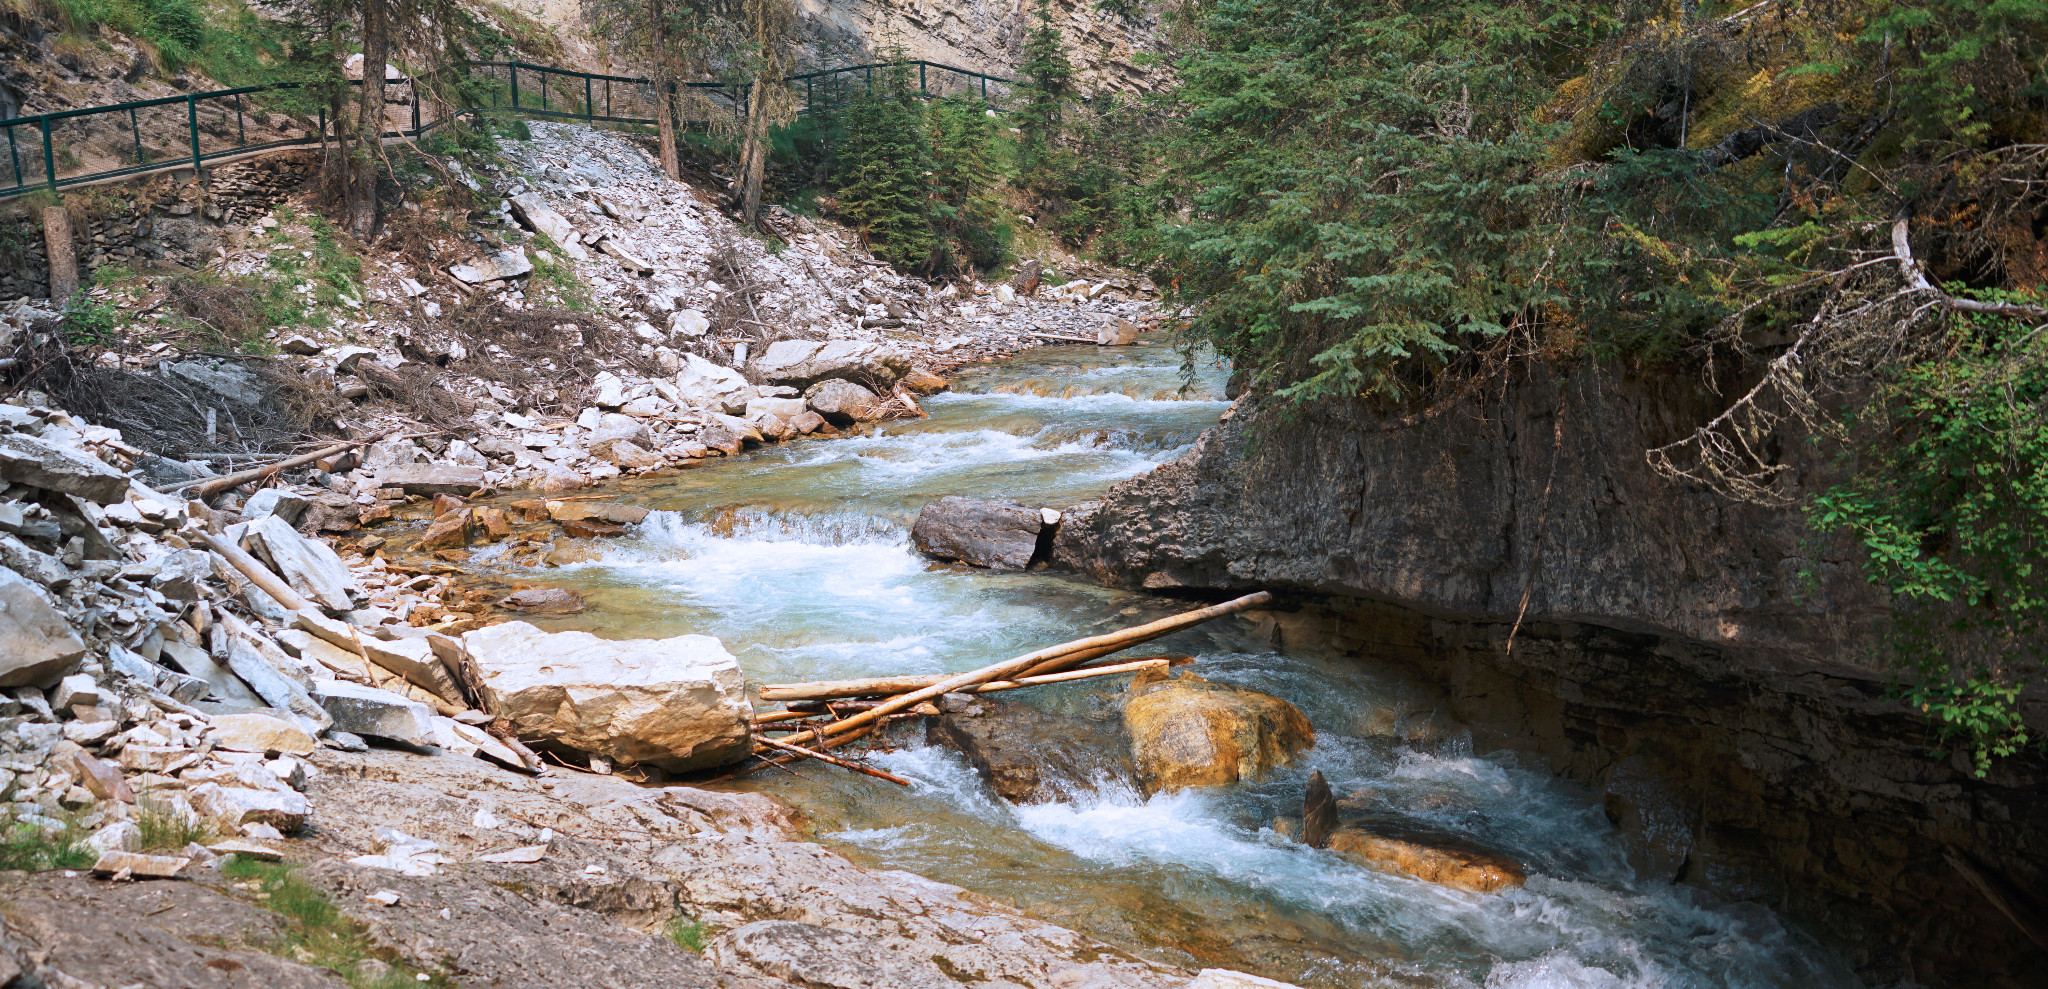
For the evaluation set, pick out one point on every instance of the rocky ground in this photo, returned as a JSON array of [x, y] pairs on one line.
[[194, 692], [202, 680]]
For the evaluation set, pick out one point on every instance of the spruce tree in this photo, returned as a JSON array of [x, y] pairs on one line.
[[1047, 83], [883, 167]]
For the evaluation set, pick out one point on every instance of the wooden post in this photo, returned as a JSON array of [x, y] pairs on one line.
[[62, 250]]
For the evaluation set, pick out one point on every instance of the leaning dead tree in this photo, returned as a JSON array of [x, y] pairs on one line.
[[1877, 312]]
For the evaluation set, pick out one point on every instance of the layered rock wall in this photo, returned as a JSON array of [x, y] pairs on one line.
[[1713, 668], [988, 36]]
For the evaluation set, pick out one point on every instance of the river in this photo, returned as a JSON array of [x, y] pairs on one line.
[[798, 557]]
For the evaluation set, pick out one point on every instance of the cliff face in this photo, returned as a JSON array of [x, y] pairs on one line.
[[1712, 668], [986, 36]]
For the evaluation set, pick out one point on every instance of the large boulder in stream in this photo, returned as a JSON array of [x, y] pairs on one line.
[[1029, 756], [677, 703], [1189, 731], [998, 535]]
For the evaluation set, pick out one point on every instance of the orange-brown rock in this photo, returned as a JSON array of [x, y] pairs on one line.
[[448, 532], [1460, 868], [1192, 732], [591, 528], [925, 382], [494, 522], [375, 514], [445, 504], [529, 510]]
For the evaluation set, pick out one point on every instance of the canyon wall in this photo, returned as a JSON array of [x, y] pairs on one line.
[[987, 36], [1714, 669]]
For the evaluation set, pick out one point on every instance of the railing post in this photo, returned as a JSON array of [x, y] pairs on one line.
[[49, 156], [14, 155], [241, 132], [135, 127], [513, 67], [415, 106], [587, 108], [192, 123], [920, 78]]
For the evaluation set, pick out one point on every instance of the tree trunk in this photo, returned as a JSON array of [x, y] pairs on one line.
[[61, 249], [664, 110], [754, 152], [362, 196]]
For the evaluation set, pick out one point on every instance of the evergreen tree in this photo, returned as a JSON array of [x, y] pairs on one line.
[[966, 232], [1046, 84], [883, 168]]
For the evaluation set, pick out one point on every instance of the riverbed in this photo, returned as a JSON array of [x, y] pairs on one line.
[[797, 556]]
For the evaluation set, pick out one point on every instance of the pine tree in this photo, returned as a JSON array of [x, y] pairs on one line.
[[883, 168], [1047, 84]]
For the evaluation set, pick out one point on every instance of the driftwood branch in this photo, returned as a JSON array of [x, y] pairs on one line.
[[209, 488], [834, 760], [257, 573]]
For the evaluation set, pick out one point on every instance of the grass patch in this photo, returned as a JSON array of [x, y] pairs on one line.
[[29, 848], [558, 275], [318, 932], [688, 934], [163, 828]]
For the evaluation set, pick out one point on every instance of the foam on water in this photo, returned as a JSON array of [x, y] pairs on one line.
[[1556, 932]]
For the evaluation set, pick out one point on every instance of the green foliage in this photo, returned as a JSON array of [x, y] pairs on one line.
[[1378, 202], [166, 828], [89, 322], [27, 847], [1046, 83], [883, 168], [318, 933], [1953, 514], [968, 231], [691, 935]]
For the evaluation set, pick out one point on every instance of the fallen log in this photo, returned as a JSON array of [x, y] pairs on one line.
[[208, 488], [257, 573], [810, 697], [834, 760], [1008, 667], [1055, 336]]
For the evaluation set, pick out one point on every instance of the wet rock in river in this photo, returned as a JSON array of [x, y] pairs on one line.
[[673, 703], [1029, 756], [544, 601], [1192, 732], [842, 402], [998, 535], [1439, 859]]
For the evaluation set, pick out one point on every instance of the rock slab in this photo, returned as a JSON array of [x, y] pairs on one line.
[[37, 645], [673, 703], [997, 535], [31, 461]]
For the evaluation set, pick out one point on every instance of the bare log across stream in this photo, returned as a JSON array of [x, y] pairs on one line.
[[1033, 660], [1048, 660], [805, 696]]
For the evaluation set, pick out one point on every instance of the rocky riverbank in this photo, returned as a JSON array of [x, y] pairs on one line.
[[190, 687]]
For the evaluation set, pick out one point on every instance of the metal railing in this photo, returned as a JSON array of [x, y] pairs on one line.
[[93, 144]]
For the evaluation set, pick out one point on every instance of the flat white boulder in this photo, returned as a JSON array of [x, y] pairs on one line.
[[803, 363], [673, 703], [704, 385]]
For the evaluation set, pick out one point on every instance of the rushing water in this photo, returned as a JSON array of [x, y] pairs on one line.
[[798, 557]]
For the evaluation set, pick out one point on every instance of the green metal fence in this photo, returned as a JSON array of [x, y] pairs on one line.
[[73, 147]]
